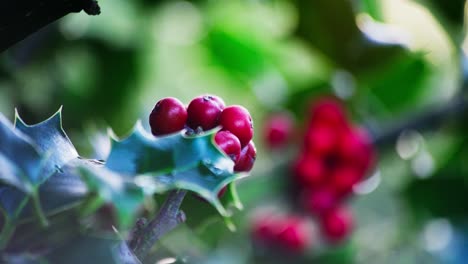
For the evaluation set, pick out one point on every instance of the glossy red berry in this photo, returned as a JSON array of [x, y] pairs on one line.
[[337, 224], [278, 130], [246, 159], [204, 112], [218, 100], [228, 143], [238, 121], [168, 116]]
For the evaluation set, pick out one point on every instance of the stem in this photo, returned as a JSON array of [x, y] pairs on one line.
[[6, 233], [38, 210], [168, 217], [430, 119], [21, 18]]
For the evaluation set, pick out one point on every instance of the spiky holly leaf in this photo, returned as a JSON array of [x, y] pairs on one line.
[[51, 141], [43, 153], [20, 168], [21, 161], [175, 161]]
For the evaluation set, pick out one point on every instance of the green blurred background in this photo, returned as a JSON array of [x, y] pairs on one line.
[[387, 59]]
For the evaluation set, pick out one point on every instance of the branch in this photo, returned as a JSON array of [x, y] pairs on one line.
[[431, 119], [21, 18], [168, 217]]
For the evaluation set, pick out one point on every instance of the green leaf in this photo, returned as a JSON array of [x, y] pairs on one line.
[[89, 249], [114, 188], [20, 168], [65, 188], [406, 75], [174, 162], [42, 155], [231, 198], [51, 140], [21, 159], [330, 25]]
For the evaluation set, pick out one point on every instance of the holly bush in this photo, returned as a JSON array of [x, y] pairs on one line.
[[285, 131]]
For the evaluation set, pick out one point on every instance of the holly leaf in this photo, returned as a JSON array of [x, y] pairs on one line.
[[113, 188], [65, 188], [90, 249], [51, 141], [20, 165], [44, 153], [175, 161], [20, 160], [231, 199]]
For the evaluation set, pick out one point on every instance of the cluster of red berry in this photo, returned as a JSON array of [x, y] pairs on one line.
[[281, 232], [335, 156], [204, 113]]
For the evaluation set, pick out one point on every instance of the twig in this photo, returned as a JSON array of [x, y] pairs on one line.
[[431, 119], [168, 217]]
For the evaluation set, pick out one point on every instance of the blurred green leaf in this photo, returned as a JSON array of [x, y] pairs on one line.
[[89, 249], [452, 11], [442, 194], [113, 188], [438, 197], [399, 84], [330, 25]]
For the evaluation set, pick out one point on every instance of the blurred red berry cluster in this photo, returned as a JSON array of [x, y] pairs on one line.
[[283, 233], [335, 157]]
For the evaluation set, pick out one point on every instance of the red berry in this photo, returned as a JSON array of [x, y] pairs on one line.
[[278, 129], [218, 100], [238, 121], [355, 147], [265, 230], [309, 171], [321, 139], [344, 177], [246, 159], [320, 201], [204, 112], [337, 224], [228, 143], [328, 111], [293, 236], [168, 116]]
